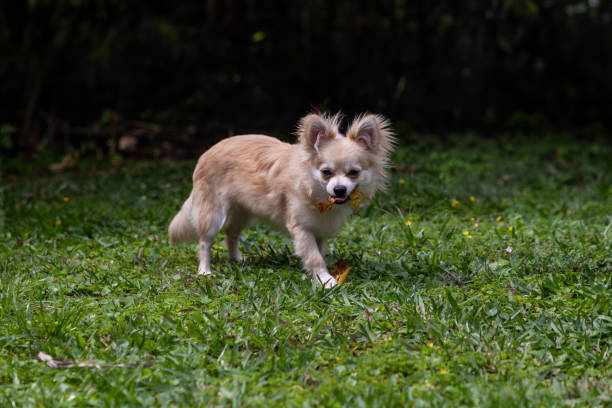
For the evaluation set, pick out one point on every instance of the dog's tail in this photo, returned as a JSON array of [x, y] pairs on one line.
[[183, 225]]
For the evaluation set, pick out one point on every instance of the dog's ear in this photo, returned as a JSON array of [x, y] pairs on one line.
[[316, 130], [372, 132]]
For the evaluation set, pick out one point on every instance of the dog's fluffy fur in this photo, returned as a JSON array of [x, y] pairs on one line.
[[254, 177]]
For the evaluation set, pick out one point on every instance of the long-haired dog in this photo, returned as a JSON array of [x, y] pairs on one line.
[[297, 188]]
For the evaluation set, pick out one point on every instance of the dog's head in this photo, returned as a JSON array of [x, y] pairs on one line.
[[341, 163]]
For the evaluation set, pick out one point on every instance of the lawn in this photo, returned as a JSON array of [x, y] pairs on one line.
[[481, 278]]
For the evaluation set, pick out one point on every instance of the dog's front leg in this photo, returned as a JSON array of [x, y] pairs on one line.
[[322, 244], [307, 249]]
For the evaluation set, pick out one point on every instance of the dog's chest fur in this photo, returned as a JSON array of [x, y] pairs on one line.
[[324, 225]]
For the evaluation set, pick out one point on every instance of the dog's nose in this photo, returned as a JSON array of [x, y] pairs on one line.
[[339, 191]]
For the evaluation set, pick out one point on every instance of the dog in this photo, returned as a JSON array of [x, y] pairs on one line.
[[301, 189]]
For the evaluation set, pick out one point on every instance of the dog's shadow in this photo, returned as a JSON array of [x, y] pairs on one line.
[[276, 252]]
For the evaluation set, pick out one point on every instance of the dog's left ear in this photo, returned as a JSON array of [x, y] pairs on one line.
[[372, 132]]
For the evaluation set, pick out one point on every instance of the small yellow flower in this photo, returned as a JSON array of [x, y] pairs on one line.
[[442, 371], [482, 289], [498, 219], [454, 203], [66, 199], [518, 298], [466, 233], [430, 345], [564, 310], [220, 247], [469, 237], [58, 222], [408, 223], [402, 181], [472, 219], [510, 229], [472, 198], [93, 316]]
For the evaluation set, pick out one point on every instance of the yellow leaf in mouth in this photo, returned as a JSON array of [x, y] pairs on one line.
[[323, 207], [356, 198], [340, 271]]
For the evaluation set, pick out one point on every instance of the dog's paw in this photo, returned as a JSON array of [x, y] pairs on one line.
[[330, 283], [326, 280], [202, 271], [237, 258]]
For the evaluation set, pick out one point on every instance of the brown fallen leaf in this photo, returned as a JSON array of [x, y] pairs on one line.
[[66, 163], [340, 271], [411, 168]]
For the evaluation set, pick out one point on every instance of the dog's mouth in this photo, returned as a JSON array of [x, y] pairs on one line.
[[340, 200]]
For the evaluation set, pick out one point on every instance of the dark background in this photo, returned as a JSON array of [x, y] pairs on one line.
[[83, 74]]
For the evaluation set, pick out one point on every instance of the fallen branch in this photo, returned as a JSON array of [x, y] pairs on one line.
[[68, 363]]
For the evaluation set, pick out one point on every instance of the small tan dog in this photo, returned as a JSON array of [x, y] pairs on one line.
[[254, 177]]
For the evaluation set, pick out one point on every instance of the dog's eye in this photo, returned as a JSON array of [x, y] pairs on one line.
[[353, 173], [326, 172]]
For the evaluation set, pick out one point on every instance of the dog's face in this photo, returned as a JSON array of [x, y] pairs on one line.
[[341, 164]]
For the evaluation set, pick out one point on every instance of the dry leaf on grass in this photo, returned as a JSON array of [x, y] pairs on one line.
[[340, 271], [66, 163]]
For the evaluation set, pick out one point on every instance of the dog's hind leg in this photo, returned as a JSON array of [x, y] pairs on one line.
[[211, 218], [237, 220], [204, 268]]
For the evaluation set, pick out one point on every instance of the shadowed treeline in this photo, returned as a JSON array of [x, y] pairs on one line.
[[73, 71]]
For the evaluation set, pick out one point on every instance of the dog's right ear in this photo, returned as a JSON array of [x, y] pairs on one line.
[[315, 130]]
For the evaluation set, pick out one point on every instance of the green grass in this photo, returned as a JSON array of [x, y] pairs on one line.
[[441, 312]]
